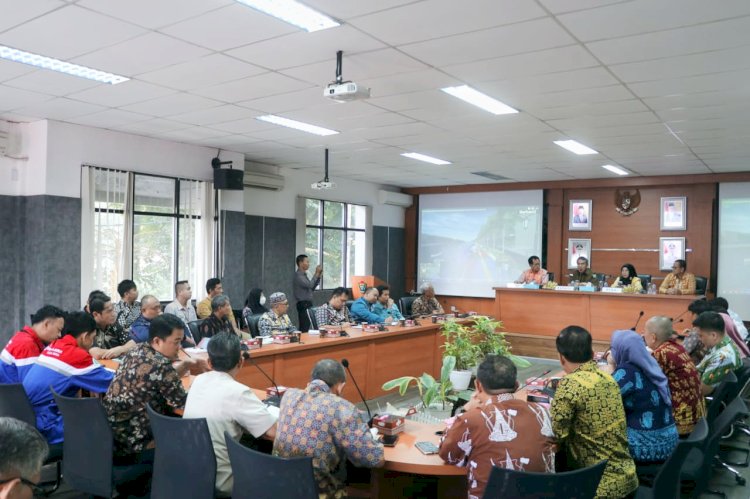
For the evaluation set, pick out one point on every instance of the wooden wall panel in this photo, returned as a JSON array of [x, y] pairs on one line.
[[411, 215], [554, 258], [482, 306]]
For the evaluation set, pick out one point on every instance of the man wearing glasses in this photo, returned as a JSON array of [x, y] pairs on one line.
[[22, 453]]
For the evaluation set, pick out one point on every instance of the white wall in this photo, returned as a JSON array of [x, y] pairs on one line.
[[283, 203]]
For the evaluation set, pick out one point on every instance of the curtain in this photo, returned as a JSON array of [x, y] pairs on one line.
[[126, 256], [87, 231], [207, 266]]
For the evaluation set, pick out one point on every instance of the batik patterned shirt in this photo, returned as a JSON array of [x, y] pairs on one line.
[[588, 419], [213, 326], [127, 314], [685, 284], [684, 385], [504, 432], [271, 324], [318, 424], [718, 362], [423, 306], [327, 315], [144, 377], [111, 337]]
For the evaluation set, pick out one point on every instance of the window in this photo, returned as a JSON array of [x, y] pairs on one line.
[[151, 231], [335, 236]]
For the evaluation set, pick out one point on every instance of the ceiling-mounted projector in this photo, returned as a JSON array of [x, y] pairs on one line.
[[325, 184], [344, 91]]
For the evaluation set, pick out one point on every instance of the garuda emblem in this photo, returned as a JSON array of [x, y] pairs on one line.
[[627, 202]]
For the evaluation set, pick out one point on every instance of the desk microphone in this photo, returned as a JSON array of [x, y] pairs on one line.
[[345, 363], [674, 321], [545, 373], [274, 400], [636, 322]]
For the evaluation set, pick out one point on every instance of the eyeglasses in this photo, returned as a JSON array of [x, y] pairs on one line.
[[36, 490]]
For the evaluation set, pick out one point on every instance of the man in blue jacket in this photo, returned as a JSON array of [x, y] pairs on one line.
[[362, 308], [150, 309]]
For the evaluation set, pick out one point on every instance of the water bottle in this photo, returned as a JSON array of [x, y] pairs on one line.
[[652, 288]]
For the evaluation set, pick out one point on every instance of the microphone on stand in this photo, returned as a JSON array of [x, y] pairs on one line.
[[674, 321], [636, 322], [545, 373], [274, 400], [345, 363]]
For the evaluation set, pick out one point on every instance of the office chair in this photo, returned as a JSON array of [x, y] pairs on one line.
[[511, 483]]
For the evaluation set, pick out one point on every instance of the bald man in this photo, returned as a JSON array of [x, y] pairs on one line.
[[150, 310]]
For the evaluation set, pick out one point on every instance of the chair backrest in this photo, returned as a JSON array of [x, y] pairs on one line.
[[238, 317], [312, 317], [700, 285], [550, 276], [580, 483], [645, 280], [252, 324], [88, 445], [280, 477], [183, 449], [349, 304], [15, 404], [667, 480], [194, 327], [405, 303], [720, 397]]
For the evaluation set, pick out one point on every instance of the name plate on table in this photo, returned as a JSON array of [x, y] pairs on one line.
[[530, 286], [587, 289], [611, 290], [565, 288], [513, 285]]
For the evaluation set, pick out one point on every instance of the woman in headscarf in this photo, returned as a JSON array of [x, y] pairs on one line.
[[254, 304], [652, 433], [628, 279]]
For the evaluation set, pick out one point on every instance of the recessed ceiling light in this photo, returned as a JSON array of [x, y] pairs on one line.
[[477, 98], [616, 169], [45, 62], [297, 125], [425, 158], [575, 146], [293, 12]]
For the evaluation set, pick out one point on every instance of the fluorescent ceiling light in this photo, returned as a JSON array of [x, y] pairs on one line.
[[616, 169], [293, 12], [425, 158], [297, 125], [468, 94], [44, 62], [574, 146]]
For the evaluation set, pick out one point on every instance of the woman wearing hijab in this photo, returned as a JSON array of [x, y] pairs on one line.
[[254, 304], [652, 433], [628, 279]]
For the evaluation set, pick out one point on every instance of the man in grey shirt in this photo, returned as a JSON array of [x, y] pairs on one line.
[[302, 288], [182, 308]]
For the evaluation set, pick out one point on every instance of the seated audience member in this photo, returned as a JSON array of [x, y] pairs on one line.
[[730, 329], [67, 367], [22, 454], [25, 346], [276, 321], [128, 308], [254, 304], [535, 274], [588, 417], [111, 339], [362, 307], [722, 356], [688, 405], [214, 288], [426, 304], [498, 429], [679, 281], [181, 306], [227, 405], [150, 309], [628, 280], [218, 321], [319, 423], [691, 340], [147, 375], [723, 305], [334, 312], [583, 274], [385, 308], [652, 434]]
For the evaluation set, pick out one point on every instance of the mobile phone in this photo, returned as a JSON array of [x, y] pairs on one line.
[[389, 440], [427, 448]]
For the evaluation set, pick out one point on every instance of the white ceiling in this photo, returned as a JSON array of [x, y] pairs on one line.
[[657, 86]]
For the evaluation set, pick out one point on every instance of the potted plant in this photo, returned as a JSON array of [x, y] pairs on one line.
[[467, 353], [490, 340], [434, 394]]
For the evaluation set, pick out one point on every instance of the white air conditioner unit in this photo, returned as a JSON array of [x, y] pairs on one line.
[[267, 181], [3, 142], [12, 142], [395, 198]]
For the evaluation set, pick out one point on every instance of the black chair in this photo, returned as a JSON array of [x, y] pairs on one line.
[[194, 327], [252, 325], [580, 483], [349, 304], [550, 276], [15, 404], [720, 397], [700, 285], [645, 280], [88, 449], [666, 483], [312, 317], [238, 317], [405, 303], [183, 449], [262, 476]]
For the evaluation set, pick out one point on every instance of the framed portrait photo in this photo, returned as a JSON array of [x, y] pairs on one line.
[[673, 213], [579, 213], [578, 248], [670, 249]]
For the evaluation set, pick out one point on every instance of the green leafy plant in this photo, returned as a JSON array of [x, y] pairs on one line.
[[430, 390], [490, 340], [460, 344]]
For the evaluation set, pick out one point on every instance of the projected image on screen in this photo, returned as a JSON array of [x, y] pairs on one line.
[[734, 247], [469, 243]]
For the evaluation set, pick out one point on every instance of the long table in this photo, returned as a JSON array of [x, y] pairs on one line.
[[543, 312]]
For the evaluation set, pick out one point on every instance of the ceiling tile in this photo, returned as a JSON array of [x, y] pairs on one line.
[[290, 101], [353, 8], [60, 109], [51, 82], [15, 12], [121, 94], [110, 118], [15, 98], [253, 87], [559, 6], [152, 14], [202, 72], [10, 70], [212, 115], [171, 105]]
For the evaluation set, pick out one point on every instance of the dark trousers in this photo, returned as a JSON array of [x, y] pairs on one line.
[[304, 321]]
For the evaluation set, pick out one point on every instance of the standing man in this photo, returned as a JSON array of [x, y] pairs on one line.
[[302, 289], [679, 281], [128, 308]]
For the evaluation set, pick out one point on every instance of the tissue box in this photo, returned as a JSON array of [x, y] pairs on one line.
[[370, 328], [388, 424], [329, 333], [252, 344], [271, 391], [281, 339]]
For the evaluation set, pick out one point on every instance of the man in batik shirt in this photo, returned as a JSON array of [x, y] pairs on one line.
[[111, 340], [588, 417], [335, 312], [276, 321], [318, 423], [722, 357], [128, 308]]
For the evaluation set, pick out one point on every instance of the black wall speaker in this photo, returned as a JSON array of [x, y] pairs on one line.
[[230, 180]]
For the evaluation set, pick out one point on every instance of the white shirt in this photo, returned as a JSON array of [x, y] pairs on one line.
[[227, 406], [186, 313], [741, 329]]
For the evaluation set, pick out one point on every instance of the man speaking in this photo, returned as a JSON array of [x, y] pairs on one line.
[[303, 287]]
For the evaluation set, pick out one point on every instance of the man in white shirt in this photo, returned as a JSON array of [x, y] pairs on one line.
[[182, 308], [227, 405]]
